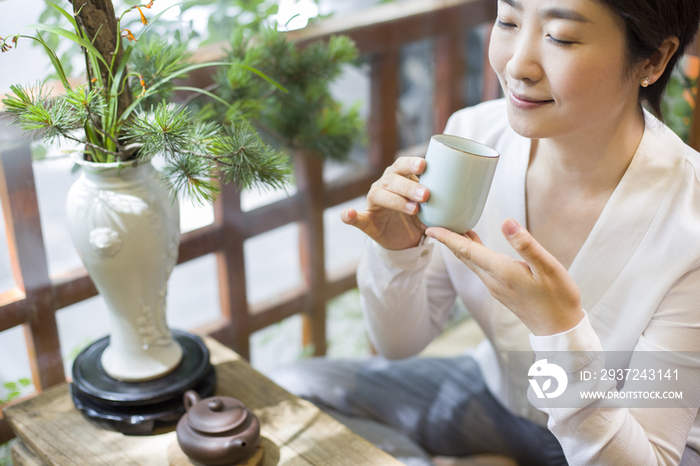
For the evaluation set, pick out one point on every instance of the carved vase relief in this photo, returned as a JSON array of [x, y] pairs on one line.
[[126, 228]]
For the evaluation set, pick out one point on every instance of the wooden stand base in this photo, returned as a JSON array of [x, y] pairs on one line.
[[138, 408]]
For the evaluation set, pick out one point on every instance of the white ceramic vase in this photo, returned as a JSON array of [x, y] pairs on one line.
[[126, 227]]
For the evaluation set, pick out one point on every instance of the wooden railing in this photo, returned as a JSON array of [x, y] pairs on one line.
[[379, 33]]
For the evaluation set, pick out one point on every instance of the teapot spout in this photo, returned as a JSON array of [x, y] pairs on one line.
[[235, 444]]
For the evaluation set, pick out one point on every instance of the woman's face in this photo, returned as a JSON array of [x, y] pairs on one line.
[[562, 67]]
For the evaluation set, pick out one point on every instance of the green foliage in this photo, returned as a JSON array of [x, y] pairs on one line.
[[306, 117], [34, 112], [199, 152], [5, 457], [224, 17], [86, 104], [675, 107], [163, 130], [180, 31], [152, 61], [113, 129], [15, 389]]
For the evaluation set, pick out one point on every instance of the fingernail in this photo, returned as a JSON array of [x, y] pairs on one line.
[[419, 193], [511, 227], [416, 163], [411, 207]]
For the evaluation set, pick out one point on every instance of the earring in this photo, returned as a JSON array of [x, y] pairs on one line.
[[644, 82]]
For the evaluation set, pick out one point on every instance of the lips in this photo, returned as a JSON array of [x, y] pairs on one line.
[[527, 102]]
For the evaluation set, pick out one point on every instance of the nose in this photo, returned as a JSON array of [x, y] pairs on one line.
[[524, 63]]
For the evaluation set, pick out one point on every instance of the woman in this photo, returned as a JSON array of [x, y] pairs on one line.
[[588, 242]]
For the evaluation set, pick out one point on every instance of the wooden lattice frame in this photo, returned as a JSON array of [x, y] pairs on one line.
[[379, 33]]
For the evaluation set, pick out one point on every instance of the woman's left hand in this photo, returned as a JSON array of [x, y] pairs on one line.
[[538, 290]]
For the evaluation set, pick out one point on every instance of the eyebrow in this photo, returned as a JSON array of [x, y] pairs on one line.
[[553, 13]]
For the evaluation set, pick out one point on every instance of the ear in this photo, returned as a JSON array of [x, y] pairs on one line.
[[654, 66]]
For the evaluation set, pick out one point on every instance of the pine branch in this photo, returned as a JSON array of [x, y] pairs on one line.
[[306, 117]]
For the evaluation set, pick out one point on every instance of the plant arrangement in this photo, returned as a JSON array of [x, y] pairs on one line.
[[306, 117], [226, 16], [123, 112]]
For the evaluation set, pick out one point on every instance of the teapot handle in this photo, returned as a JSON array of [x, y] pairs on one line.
[[190, 398]]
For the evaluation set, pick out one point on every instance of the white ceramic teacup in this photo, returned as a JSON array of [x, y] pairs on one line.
[[458, 175]]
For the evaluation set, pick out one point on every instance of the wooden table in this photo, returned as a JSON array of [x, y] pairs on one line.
[[295, 432]]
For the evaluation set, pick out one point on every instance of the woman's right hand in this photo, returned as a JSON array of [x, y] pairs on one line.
[[392, 204]]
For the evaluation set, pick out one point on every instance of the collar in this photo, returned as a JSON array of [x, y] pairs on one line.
[[627, 215]]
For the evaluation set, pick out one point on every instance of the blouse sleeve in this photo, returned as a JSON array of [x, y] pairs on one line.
[[406, 297], [632, 435]]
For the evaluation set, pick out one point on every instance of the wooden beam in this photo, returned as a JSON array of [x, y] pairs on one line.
[[28, 258], [270, 216], [74, 286], [349, 187], [231, 272], [309, 178], [490, 87], [13, 311], [200, 242], [392, 25], [450, 67], [383, 126], [285, 305], [341, 281], [6, 433]]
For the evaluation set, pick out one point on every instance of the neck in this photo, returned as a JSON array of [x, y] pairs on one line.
[[593, 161]]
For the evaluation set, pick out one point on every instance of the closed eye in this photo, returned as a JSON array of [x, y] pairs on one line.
[[505, 25], [560, 42]]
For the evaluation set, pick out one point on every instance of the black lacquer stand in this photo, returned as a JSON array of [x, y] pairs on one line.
[[137, 408]]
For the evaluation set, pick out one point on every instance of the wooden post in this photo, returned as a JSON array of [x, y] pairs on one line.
[[6, 433], [490, 87], [309, 177], [28, 259], [383, 127], [450, 66], [231, 271]]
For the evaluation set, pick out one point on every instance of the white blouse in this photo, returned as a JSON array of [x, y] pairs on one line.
[[638, 272]]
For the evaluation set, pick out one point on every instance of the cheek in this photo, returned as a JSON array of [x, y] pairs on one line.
[[587, 81], [497, 53]]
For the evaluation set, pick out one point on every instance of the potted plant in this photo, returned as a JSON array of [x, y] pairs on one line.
[[123, 215]]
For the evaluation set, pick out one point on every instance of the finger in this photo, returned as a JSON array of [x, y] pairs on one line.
[[536, 257], [354, 218], [472, 234], [406, 166], [390, 200], [404, 187], [466, 249]]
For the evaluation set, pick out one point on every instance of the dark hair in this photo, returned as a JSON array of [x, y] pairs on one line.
[[648, 23]]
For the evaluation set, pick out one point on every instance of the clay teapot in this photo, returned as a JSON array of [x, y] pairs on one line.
[[218, 430]]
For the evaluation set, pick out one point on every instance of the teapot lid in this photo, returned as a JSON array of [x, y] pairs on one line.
[[217, 414]]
